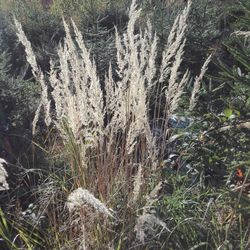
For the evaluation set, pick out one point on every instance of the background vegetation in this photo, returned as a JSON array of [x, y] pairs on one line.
[[190, 190]]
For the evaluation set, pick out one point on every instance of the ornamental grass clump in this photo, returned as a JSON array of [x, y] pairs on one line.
[[107, 133]]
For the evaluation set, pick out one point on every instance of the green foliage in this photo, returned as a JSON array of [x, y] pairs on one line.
[[18, 98], [79, 9], [241, 14], [201, 218], [217, 146], [237, 79], [15, 233], [235, 74]]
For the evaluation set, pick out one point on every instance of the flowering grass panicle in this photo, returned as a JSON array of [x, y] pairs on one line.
[[80, 197], [197, 84], [31, 58], [171, 61]]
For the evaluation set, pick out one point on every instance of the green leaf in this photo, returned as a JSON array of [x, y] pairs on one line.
[[228, 112], [248, 103]]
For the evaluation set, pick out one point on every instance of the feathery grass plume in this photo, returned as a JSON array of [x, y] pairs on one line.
[[197, 84], [81, 197], [116, 105], [136, 55], [95, 95], [3, 175], [38, 74], [147, 223], [172, 59], [176, 40], [76, 89], [31, 58], [148, 60]]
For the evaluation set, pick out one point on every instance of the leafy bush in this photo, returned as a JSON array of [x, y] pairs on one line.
[[18, 102]]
